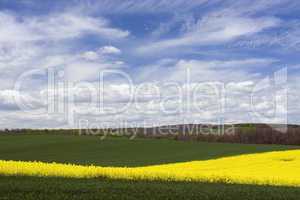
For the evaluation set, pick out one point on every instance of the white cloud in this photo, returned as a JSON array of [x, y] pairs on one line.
[[41, 42], [68, 26], [90, 55], [109, 50], [201, 70], [31, 42], [213, 30], [85, 66], [148, 107], [24, 57], [103, 51], [286, 39], [9, 100], [16, 54], [80, 70], [54, 27]]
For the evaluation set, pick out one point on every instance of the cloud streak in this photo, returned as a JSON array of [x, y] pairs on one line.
[[54, 27], [212, 30]]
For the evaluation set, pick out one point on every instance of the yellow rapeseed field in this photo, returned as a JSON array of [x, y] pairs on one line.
[[274, 168]]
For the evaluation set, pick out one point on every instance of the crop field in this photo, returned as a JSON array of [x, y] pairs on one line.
[[85, 167]]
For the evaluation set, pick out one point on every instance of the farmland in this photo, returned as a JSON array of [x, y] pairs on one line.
[[148, 154], [35, 188]]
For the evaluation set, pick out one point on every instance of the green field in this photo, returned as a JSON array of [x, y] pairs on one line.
[[32, 188], [120, 151]]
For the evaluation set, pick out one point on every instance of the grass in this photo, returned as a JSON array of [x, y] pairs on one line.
[[118, 152], [33, 188]]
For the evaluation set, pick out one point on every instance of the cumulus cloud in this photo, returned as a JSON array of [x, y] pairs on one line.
[[10, 99], [102, 51], [167, 105], [109, 50], [72, 44], [13, 55], [90, 55], [31, 42], [88, 66]]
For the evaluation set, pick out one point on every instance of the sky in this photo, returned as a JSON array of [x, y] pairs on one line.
[[115, 63]]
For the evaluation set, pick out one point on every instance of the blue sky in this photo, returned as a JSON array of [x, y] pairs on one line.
[[234, 43]]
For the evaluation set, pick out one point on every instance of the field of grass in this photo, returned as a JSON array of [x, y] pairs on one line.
[[35, 188], [211, 158], [119, 151]]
